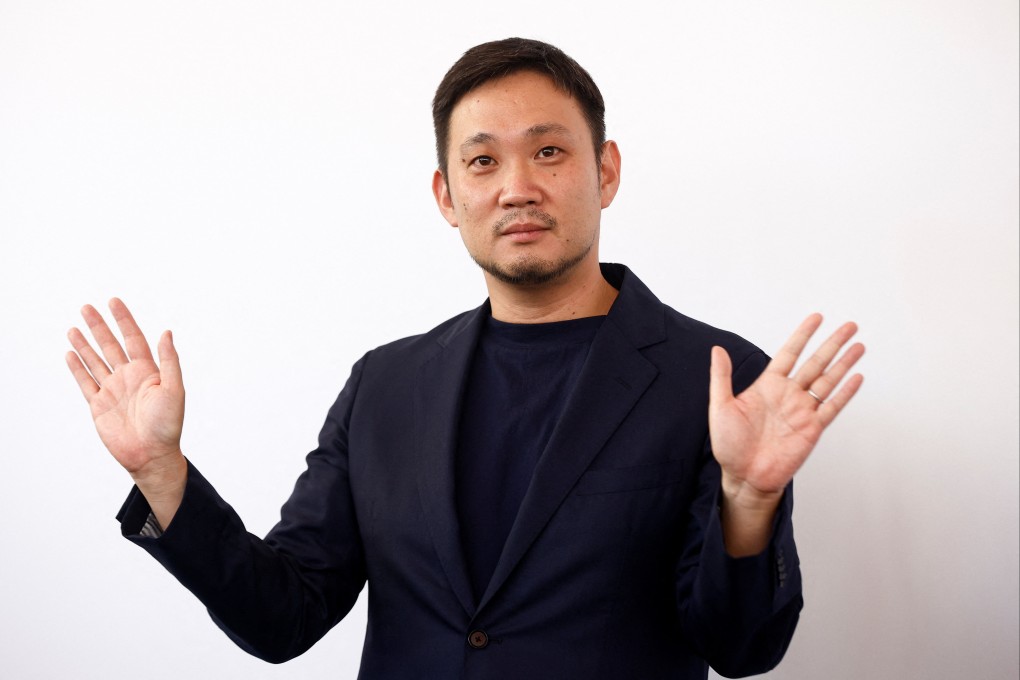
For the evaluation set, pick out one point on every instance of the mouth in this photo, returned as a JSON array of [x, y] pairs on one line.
[[524, 232], [522, 228]]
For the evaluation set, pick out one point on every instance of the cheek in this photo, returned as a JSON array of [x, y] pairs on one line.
[[584, 197], [468, 219], [469, 206], [465, 215], [579, 187], [462, 202]]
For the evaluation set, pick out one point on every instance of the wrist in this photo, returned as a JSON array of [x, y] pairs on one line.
[[747, 516], [163, 476], [162, 482], [741, 495]]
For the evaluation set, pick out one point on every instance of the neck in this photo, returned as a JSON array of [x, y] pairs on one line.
[[577, 294]]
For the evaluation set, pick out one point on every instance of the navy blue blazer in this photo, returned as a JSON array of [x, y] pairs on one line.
[[615, 567]]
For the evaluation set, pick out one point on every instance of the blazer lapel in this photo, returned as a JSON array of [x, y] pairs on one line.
[[438, 394], [614, 377]]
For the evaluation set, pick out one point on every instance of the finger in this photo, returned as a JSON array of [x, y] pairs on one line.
[[828, 411], [827, 382], [81, 375], [786, 357], [169, 364], [97, 367], [134, 340], [108, 344], [720, 386], [817, 362]]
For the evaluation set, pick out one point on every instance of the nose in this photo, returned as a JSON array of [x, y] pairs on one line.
[[520, 186]]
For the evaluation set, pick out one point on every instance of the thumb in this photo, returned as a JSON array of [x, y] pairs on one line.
[[720, 387], [169, 364]]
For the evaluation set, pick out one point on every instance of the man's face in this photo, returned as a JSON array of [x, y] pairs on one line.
[[522, 182]]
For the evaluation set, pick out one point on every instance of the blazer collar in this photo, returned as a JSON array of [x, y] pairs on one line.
[[636, 313]]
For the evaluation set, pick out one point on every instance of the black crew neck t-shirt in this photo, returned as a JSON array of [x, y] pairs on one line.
[[520, 379]]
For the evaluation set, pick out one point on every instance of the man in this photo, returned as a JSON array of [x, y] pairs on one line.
[[558, 484]]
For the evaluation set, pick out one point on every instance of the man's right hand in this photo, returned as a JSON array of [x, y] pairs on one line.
[[137, 406]]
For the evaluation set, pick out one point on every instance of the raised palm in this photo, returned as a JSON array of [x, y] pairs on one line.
[[763, 435], [137, 406]]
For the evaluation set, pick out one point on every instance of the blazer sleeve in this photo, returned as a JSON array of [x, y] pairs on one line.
[[739, 612], [274, 597]]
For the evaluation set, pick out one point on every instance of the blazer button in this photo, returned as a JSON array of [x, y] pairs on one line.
[[478, 639]]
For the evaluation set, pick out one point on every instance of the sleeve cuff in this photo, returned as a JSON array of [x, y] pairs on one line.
[[135, 517], [772, 577]]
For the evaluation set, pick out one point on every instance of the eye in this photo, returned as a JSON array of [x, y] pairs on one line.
[[548, 152], [482, 161]]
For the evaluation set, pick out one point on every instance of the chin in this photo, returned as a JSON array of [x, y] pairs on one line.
[[531, 271]]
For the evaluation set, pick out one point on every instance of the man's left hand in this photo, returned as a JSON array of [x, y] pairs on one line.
[[763, 435]]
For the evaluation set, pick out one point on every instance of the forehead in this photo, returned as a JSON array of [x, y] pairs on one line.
[[513, 104]]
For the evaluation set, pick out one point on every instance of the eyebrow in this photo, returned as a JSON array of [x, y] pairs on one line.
[[548, 129], [533, 131], [476, 139]]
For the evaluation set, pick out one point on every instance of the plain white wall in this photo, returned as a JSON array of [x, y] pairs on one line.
[[255, 176]]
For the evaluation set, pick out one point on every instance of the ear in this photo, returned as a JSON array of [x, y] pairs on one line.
[[610, 166], [443, 198]]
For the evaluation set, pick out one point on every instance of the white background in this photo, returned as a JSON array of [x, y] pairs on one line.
[[255, 176]]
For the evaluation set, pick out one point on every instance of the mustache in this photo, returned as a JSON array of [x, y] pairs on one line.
[[532, 213]]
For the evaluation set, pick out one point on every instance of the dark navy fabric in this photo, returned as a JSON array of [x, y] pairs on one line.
[[520, 379]]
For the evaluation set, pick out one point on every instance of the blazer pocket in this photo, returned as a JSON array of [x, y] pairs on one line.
[[615, 480]]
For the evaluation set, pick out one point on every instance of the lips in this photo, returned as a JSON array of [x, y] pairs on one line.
[[524, 232], [522, 228]]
